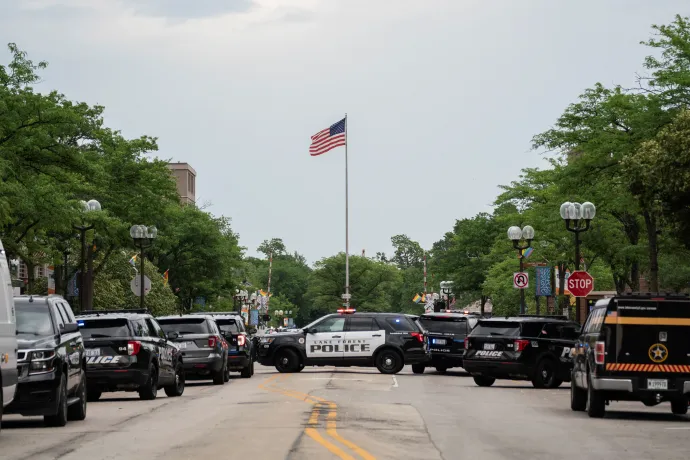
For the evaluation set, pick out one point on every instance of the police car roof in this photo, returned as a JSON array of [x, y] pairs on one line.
[[95, 314], [523, 319], [374, 313], [446, 315], [190, 316]]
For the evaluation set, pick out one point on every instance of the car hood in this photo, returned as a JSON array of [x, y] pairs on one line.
[[29, 342]]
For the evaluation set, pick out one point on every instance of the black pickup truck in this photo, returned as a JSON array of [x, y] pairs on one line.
[[126, 350], [52, 379]]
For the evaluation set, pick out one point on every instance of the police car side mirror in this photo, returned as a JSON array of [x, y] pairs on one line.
[[172, 335], [69, 328], [310, 331]]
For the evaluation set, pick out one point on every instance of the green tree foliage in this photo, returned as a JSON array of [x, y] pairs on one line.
[[407, 253]]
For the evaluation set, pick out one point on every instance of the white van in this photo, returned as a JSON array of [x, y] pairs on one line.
[[8, 335]]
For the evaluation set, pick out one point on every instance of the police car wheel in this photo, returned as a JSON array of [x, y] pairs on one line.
[[596, 404], [578, 397], [483, 381], [418, 368], [287, 361], [389, 362], [545, 375], [680, 406]]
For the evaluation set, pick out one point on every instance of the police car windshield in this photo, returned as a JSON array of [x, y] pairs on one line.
[[34, 319], [228, 325], [185, 325], [444, 325], [507, 328], [96, 328]]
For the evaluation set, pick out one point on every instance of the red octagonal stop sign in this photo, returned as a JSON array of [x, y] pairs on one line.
[[580, 283]]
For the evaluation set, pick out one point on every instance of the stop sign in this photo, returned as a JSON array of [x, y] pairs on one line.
[[580, 283]]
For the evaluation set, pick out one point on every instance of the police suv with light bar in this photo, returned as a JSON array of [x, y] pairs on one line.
[[387, 341], [127, 350]]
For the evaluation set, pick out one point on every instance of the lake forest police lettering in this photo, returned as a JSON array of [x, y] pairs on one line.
[[336, 346]]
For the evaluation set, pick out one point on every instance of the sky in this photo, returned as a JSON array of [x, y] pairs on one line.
[[442, 97]]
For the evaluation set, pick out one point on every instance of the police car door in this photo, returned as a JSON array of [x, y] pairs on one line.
[[362, 337], [325, 340]]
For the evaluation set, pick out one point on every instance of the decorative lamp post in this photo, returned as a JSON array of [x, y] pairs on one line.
[[143, 237], [87, 206], [578, 218], [516, 234]]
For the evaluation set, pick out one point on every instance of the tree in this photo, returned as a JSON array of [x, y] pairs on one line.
[[407, 253], [274, 246]]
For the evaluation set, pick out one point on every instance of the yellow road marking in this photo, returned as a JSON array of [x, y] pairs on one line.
[[311, 430]]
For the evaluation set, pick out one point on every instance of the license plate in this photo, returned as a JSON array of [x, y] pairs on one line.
[[92, 352], [182, 344], [232, 348], [438, 341], [489, 346], [657, 384]]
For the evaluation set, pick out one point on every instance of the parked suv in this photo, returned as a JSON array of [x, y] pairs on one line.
[[203, 347], [8, 335], [387, 341], [447, 332], [536, 348], [51, 361], [127, 350], [241, 355], [633, 348]]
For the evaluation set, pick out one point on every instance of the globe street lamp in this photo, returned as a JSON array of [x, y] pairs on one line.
[[143, 237], [516, 234], [578, 218], [87, 206]]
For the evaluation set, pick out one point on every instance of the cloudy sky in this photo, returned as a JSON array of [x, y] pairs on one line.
[[442, 97]]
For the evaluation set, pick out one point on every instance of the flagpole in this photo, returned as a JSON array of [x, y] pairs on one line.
[[425, 291], [346, 304]]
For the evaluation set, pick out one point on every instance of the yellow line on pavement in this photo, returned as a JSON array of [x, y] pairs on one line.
[[332, 432], [312, 433]]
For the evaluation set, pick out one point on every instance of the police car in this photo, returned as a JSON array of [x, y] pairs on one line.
[[387, 341]]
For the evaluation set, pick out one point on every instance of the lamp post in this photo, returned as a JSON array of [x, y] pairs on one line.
[[87, 206], [578, 218], [143, 237], [516, 234]]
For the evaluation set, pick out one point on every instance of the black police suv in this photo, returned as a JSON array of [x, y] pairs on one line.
[[387, 341], [203, 347], [536, 348], [447, 332], [127, 350], [241, 354], [50, 360], [633, 347]]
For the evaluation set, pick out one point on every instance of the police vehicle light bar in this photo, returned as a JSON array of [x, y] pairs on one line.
[[346, 310]]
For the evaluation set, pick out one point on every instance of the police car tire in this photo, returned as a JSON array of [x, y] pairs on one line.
[[596, 404], [483, 381], [247, 372], [293, 364], [60, 418], [149, 390], [441, 369], [578, 398], [679, 406], [549, 381], [385, 355], [219, 376], [418, 368], [176, 388]]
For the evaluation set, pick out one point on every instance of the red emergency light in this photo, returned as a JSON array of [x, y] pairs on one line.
[[346, 310]]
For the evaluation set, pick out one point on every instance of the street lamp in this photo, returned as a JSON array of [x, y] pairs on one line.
[[87, 206], [143, 237], [578, 218], [516, 234]]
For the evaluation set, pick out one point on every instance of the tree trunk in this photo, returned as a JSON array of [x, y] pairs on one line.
[[635, 276], [652, 237], [482, 303], [30, 276]]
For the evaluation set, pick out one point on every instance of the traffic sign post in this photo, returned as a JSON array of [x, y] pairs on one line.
[[521, 280], [135, 286], [580, 283]]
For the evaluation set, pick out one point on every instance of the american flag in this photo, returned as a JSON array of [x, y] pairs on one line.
[[328, 139]]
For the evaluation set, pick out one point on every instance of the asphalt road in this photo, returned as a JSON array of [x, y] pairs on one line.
[[351, 413]]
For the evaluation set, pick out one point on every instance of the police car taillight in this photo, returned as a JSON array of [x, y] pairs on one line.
[[418, 335], [599, 352], [212, 341], [133, 348], [346, 310], [240, 340], [467, 343], [521, 344]]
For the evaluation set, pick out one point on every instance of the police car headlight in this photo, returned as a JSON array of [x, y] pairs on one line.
[[41, 362], [42, 355], [267, 339]]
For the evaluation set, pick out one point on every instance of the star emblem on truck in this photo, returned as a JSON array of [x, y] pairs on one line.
[[658, 353]]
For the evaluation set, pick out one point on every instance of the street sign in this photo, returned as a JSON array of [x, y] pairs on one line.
[[520, 280], [580, 283], [135, 285]]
